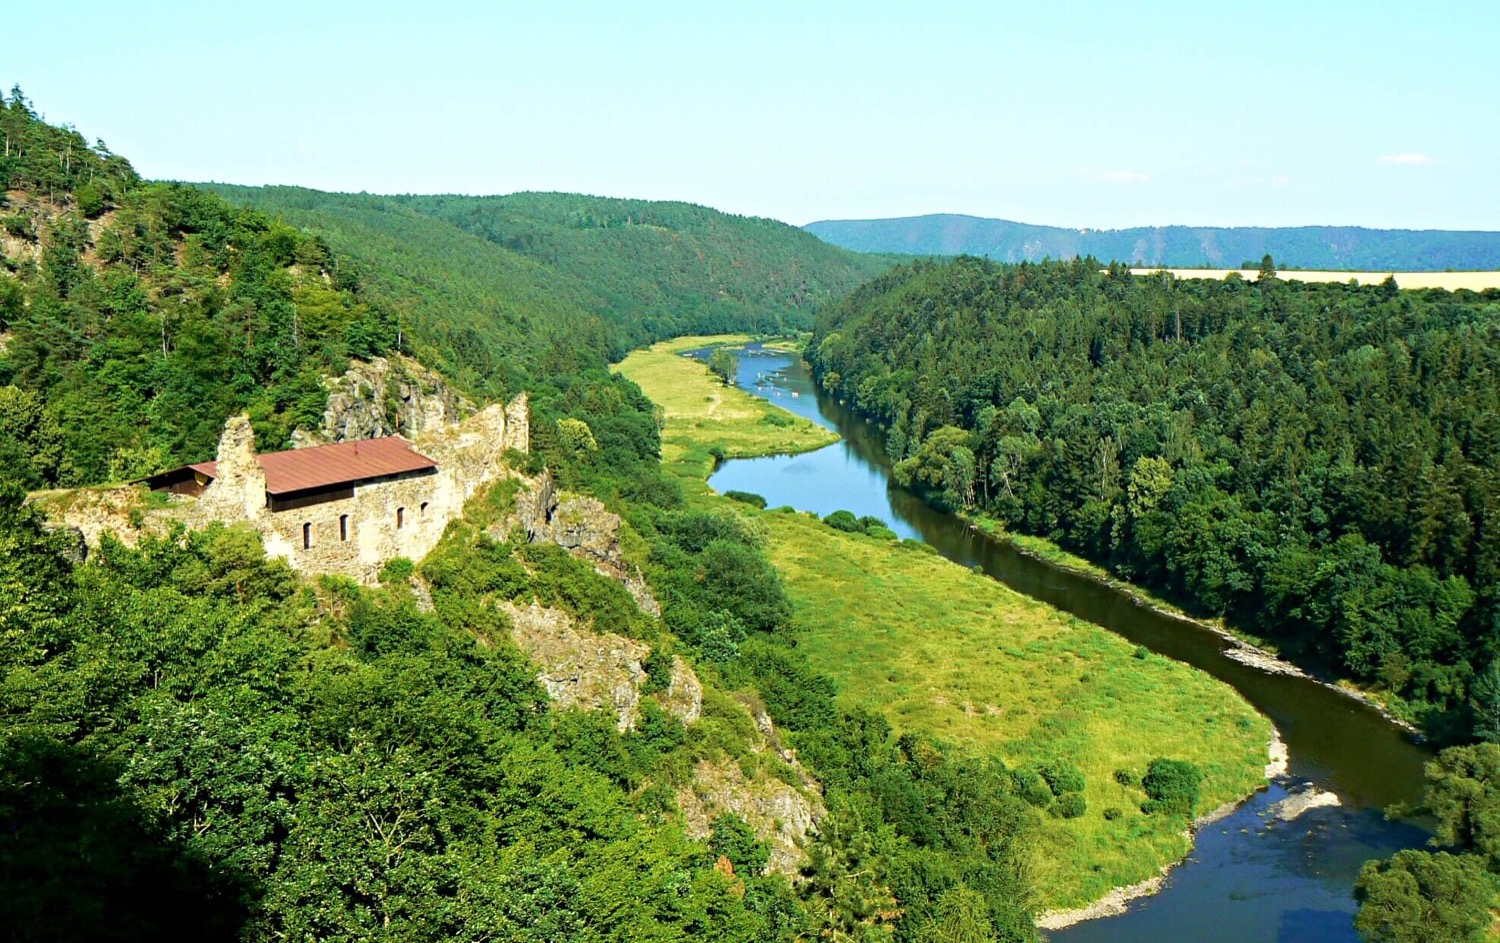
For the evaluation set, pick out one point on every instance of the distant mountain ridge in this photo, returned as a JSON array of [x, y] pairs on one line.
[[1351, 248]]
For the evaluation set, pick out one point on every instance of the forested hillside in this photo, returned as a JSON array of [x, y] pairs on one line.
[[1321, 462], [136, 316], [197, 742], [1347, 248], [647, 270]]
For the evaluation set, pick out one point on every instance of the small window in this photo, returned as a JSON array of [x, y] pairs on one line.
[[306, 536], [343, 527], [424, 510], [400, 518]]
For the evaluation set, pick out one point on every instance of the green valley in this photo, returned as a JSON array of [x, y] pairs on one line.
[[945, 653]]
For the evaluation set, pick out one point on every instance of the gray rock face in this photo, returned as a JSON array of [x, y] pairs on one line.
[[585, 527], [383, 397], [579, 667]]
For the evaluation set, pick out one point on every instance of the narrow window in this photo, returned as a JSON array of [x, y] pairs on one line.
[[306, 536], [424, 510], [343, 527], [400, 518]]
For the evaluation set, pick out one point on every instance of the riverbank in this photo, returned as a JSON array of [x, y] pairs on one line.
[[941, 649], [1243, 647], [1118, 900], [708, 420]]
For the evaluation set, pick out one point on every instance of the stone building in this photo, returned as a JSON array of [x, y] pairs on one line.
[[349, 507]]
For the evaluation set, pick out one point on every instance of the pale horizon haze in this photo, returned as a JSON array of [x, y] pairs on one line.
[[1084, 115]]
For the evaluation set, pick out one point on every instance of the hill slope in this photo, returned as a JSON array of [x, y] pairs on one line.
[[646, 270], [1309, 247]]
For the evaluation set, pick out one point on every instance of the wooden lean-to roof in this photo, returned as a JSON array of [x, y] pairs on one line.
[[325, 466]]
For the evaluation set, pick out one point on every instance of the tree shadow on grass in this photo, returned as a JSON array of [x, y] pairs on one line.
[[81, 860]]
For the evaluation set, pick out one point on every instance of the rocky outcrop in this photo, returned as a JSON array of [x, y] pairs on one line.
[[586, 528], [579, 667], [684, 695], [396, 396], [780, 814], [1292, 807]]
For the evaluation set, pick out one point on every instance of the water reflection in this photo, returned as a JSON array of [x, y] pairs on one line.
[[1248, 878]]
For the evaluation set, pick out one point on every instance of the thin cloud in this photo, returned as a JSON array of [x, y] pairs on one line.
[[1124, 176], [1413, 159]]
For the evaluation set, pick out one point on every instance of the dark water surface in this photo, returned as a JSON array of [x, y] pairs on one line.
[[1250, 877]]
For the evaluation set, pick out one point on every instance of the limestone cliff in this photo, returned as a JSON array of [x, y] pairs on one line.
[[580, 667], [781, 814], [395, 396], [583, 526]]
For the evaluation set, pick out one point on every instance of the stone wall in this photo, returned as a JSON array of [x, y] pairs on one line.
[[356, 536]]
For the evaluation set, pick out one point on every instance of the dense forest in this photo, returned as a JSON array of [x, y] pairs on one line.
[[1343, 248], [197, 741], [135, 316], [1317, 462]]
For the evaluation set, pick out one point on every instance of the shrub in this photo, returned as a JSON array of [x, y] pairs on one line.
[[777, 418], [1069, 805], [1172, 786], [658, 668], [746, 497], [732, 838], [1127, 779], [19, 225], [397, 572], [1141, 653], [1032, 787], [844, 521], [1113, 812], [1062, 776]]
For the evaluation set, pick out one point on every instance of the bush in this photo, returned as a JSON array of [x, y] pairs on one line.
[[844, 521], [658, 668], [397, 572], [746, 497], [1113, 812], [1069, 805], [1127, 779], [19, 226], [1032, 787], [1172, 786], [1062, 776], [732, 838]]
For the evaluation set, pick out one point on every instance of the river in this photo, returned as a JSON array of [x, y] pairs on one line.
[[1251, 876]]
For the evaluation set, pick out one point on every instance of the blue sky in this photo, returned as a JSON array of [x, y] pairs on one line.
[[1072, 114]]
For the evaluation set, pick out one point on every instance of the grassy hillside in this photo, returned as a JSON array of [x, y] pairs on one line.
[[942, 652], [1349, 248]]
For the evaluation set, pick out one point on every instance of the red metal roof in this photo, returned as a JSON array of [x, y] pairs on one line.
[[343, 463]]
